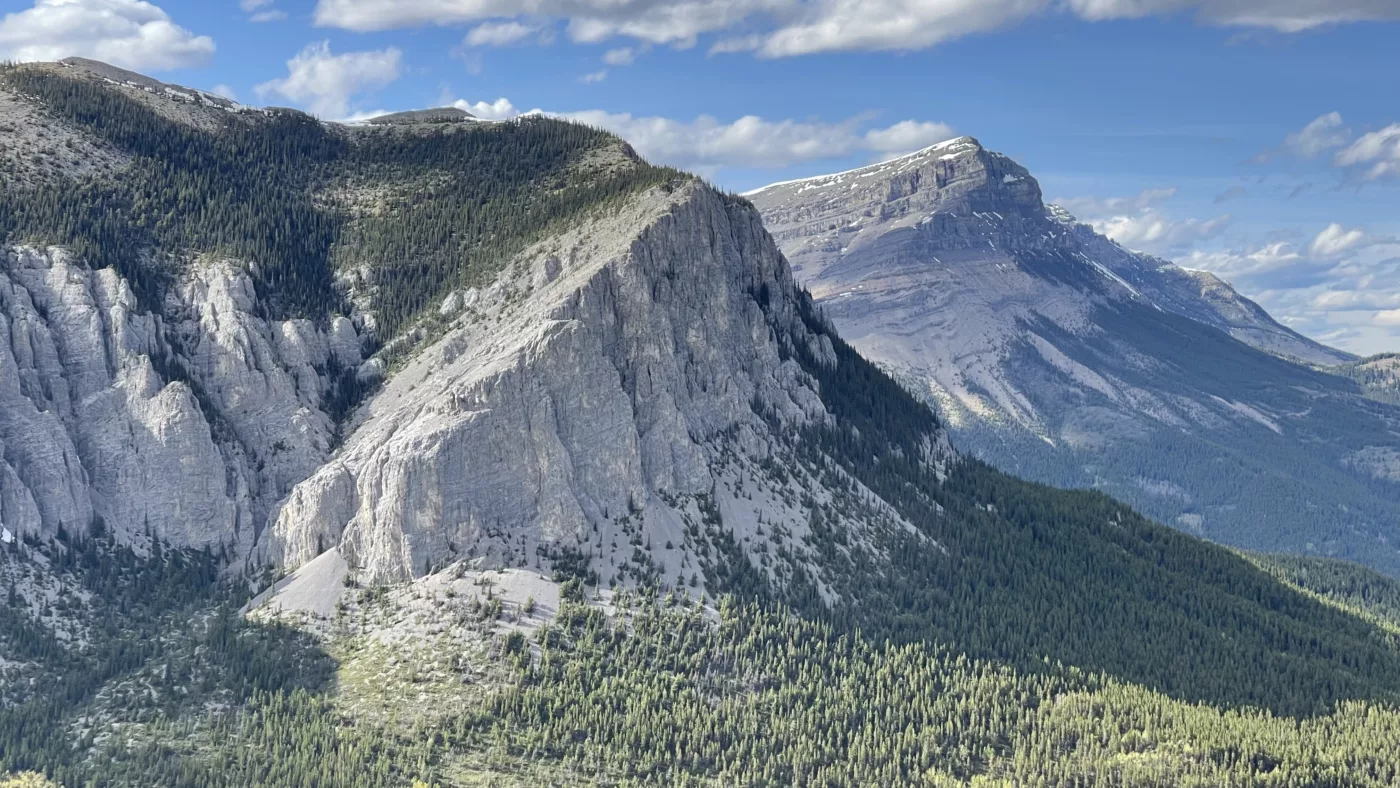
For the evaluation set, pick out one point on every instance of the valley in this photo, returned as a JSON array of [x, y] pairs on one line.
[[440, 451]]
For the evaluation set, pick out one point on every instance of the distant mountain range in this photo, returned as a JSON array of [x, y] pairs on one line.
[[1059, 355]]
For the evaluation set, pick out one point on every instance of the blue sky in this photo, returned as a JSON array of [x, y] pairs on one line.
[[1258, 139]]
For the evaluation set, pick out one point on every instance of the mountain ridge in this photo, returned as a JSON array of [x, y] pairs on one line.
[[1057, 354]]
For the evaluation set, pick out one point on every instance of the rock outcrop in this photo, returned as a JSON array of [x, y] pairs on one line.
[[187, 425], [635, 354]]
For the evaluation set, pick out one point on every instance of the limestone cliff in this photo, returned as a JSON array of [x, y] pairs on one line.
[[186, 424], [616, 374]]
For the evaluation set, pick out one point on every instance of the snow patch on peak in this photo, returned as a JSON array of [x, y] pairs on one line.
[[1059, 214], [950, 149]]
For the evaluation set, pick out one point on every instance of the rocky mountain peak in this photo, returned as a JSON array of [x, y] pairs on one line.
[[957, 177]]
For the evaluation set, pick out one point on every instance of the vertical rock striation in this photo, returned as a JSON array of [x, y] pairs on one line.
[[186, 425], [635, 353]]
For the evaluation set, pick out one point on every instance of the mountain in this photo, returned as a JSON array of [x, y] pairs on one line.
[[545, 470], [1054, 353]]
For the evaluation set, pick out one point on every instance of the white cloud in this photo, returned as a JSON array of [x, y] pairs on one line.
[[619, 57], [500, 109], [127, 33], [1157, 233], [1348, 300], [1373, 155], [906, 136], [1139, 221], [707, 144], [595, 76], [498, 34], [1284, 16], [1379, 149], [836, 25], [1323, 134], [655, 21], [250, 6], [1268, 258], [224, 90], [780, 28], [1335, 240], [272, 15], [325, 83], [1342, 288]]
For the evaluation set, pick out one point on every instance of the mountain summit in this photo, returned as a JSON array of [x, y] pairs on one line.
[[1060, 355]]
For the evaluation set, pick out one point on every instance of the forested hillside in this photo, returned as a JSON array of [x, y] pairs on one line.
[[1019, 572], [421, 209], [660, 692], [1378, 376]]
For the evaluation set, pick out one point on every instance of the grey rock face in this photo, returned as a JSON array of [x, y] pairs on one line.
[[631, 359], [1061, 356], [612, 397], [187, 425]]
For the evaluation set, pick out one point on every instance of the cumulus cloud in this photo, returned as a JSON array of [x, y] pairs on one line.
[[129, 33], [1335, 240], [1140, 222], [1378, 151], [1158, 233], [594, 76], [1319, 136], [1370, 156], [906, 136], [836, 25], [224, 90], [707, 144], [1348, 300], [325, 83], [1342, 286], [1238, 264], [500, 109], [781, 28], [498, 34]]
